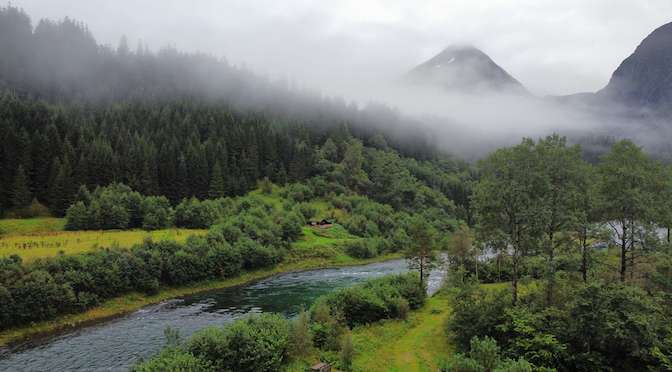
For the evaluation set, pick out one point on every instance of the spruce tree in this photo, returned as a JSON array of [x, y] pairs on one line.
[[21, 195], [63, 189], [217, 184]]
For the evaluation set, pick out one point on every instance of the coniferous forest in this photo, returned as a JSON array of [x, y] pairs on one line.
[[551, 256]]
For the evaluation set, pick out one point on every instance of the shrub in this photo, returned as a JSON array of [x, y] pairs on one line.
[[156, 213], [225, 261], [291, 226], [298, 192], [256, 255], [266, 186], [195, 214], [347, 352], [257, 343], [301, 337], [227, 232], [77, 217], [484, 356], [174, 360], [361, 248], [476, 314], [307, 210], [117, 207], [325, 326], [388, 297]]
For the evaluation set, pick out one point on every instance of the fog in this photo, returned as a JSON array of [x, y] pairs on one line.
[[359, 50], [551, 47]]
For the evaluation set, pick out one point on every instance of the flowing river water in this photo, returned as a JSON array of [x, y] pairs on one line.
[[117, 344]]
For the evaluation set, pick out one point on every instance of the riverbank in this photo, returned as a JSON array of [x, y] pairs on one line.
[[134, 301]]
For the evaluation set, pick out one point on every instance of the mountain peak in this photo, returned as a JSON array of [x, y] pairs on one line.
[[645, 77], [464, 68]]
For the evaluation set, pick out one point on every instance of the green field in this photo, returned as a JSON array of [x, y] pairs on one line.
[[10, 227], [44, 237]]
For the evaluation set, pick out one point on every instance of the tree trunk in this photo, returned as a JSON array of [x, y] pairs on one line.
[[477, 270], [584, 255], [514, 279], [422, 271], [668, 235], [624, 250], [551, 269]]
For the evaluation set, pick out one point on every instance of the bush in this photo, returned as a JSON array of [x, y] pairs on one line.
[[291, 225], [156, 213], [257, 343], [307, 210], [266, 186], [301, 337], [484, 356], [174, 360], [77, 217], [388, 297], [117, 207], [476, 314], [325, 326], [361, 248], [256, 255], [226, 261], [195, 214], [33, 210], [298, 192]]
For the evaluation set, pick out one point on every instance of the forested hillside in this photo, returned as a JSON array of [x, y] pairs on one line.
[[76, 113]]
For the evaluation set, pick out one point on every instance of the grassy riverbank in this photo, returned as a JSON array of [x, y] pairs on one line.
[[416, 344], [134, 301]]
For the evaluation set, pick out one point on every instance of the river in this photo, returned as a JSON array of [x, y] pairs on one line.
[[117, 344]]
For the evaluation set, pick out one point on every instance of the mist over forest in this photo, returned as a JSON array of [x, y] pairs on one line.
[[62, 60]]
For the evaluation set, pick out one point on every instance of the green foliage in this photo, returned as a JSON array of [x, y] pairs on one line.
[[421, 253], [301, 337], [193, 213], [118, 207], [347, 352], [477, 313], [156, 213], [388, 297], [484, 356], [307, 210], [613, 325], [174, 360], [361, 248], [629, 191], [21, 195], [257, 343]]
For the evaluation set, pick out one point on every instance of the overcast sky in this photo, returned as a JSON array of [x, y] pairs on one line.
[[551, 46]]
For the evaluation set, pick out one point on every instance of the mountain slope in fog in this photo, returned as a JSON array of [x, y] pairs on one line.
[[464, 69], [644, 79]]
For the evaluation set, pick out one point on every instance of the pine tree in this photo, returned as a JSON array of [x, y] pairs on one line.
[[21, 195], [182, 178], [217, 184], [63, 189]]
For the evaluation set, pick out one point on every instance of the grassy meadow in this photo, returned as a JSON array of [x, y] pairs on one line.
[[44, 237], [415, 344]]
